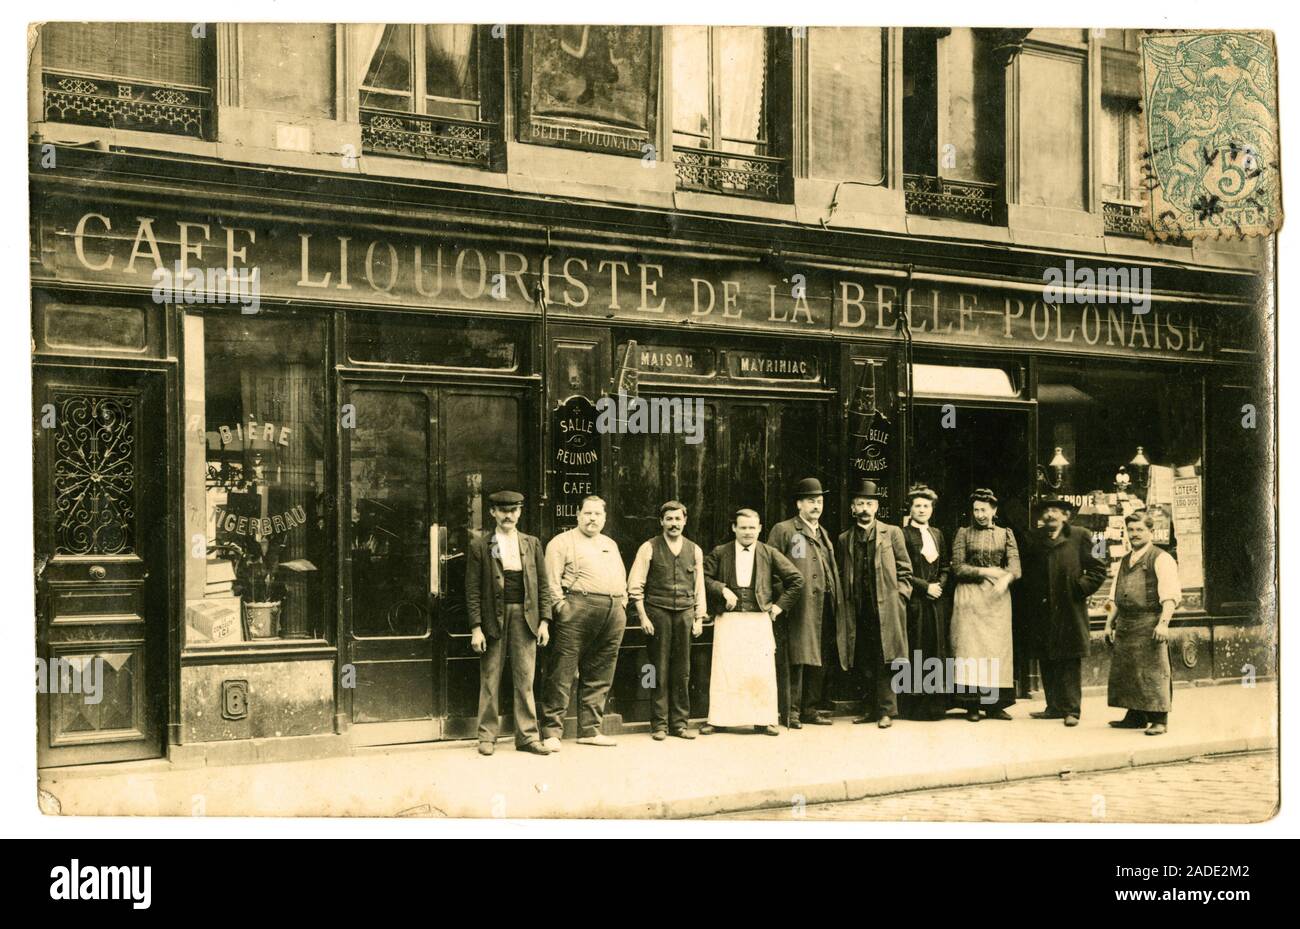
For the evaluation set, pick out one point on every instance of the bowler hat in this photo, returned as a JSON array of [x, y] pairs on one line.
[[867, 490], [506, 498], [1059, 502], [808, 487]]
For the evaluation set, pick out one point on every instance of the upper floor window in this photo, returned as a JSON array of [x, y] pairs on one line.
[[846, 103], [149, 76], [725, 110], [954, 140], [423, 92], [1120, 133]]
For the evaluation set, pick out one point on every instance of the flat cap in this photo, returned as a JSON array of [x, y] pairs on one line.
[[506, 498]]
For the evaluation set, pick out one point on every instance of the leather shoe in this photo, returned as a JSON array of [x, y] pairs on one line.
[[1125, 724], [598, 739], [972, 716], [486, 748], [767, 730], [1072, 721], [885, 722], [533, 748], [997, 714], [1046, 714], [820, 720], [683, 734], [658, 735], [862, 720], [552, 744], [794, 724], [1157, 729], [706, 729]]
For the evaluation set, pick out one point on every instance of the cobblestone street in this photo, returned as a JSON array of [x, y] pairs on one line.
[[1222, 789]]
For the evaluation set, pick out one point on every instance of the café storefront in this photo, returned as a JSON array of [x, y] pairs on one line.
[[256, 510]]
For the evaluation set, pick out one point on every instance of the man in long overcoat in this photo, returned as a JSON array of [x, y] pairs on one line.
[[1060, 573], [875, 584], [806, 636]]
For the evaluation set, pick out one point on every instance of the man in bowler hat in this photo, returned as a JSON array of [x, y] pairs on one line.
[[508, 602], [876, 578], [1060, 573], [806, 635]]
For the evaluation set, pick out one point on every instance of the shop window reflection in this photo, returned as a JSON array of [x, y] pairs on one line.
[[267, 508], [1132, 439]]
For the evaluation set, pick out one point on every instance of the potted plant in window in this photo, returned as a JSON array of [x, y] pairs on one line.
[[259, 581]]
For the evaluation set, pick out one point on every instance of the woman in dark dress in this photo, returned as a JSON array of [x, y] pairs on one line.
[[927, 609]]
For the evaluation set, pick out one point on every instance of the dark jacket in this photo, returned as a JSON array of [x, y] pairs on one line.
[[795, 540], [893, 590], [485, 584], [773, 572], [1059, 576]]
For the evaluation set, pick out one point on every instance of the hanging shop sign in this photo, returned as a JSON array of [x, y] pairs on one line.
[[575, 469]]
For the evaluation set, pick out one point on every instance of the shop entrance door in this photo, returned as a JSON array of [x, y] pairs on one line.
[[101, 564], [966, 447], [418, 464]]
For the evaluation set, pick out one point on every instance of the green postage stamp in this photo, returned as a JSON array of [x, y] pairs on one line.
[[1210, 113]]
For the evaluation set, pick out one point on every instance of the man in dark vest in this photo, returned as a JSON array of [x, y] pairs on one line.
[[806, 636], [1060, 573], [507, 598], [666, 586]]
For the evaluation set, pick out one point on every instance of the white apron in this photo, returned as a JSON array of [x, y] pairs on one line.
[[742, 682], [981, 636]]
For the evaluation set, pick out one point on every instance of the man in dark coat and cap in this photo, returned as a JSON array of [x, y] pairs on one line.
[[1060, 572]]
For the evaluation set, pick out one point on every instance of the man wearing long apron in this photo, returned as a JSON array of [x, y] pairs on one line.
[[741, 578], [1142, 601]]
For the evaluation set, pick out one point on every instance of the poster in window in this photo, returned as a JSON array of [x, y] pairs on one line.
[[590, 87]]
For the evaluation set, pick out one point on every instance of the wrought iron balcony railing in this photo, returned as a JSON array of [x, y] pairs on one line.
[[434, 138], [123, 103], [1123, 218], [757, 176], [971, 201]]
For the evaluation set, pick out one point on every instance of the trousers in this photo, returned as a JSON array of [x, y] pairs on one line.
[[586, 641], [670, 653], [520, 645]]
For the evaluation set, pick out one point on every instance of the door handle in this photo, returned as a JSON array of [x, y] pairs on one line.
[[98, 572], [435, 560], [447, 558]]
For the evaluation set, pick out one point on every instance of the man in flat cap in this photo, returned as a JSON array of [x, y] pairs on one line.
[[876, 578], [1060, 573], [509, 602], [666, 586], [806, 636]]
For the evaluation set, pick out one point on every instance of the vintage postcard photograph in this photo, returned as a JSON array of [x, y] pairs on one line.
[[652, 421]]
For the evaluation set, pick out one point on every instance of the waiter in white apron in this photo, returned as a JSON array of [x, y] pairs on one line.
[[741, 578]]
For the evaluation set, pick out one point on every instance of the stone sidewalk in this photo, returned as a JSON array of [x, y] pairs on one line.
[[644, 779]]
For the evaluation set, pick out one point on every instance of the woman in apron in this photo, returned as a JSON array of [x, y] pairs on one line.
[[1142, 601], [985, 561]]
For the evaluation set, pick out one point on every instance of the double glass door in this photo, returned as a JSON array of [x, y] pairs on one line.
[[419, 464]]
